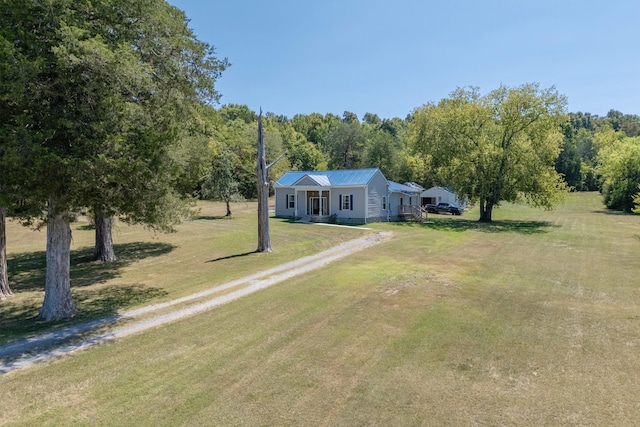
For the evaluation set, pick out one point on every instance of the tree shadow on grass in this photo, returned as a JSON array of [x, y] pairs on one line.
[[607, 211], [500, 226], [20, 320], [214, 217], [27, 271], [233, 256], [92, 303]]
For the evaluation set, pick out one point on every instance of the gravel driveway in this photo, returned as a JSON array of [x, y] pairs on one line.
[[45, 346]]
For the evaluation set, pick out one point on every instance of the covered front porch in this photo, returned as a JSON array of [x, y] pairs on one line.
[[313, 205]]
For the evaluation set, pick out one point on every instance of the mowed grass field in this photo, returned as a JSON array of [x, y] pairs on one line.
[[531, 320]]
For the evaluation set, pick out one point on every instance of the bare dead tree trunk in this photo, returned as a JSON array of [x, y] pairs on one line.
[[103, 250], [58, 302], [264, 239], [5, 291]]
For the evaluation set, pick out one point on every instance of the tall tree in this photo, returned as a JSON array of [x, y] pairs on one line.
[[103, 248], [383, 151], [230, 112], [312, 126], [619, 166], [372, 119], [636, 201], [5, 290], [221, 183], [568, 163], [13, 83], [345, 145], [349, 117], [302, 154], [108, 84], [189, 158], [497, 147]]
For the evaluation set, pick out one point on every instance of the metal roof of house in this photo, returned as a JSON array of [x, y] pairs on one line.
[[395, 187], [441, 188], [329, 178], [415, 185], [322, 180]]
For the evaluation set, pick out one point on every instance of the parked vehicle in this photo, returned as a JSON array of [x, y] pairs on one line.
[[447, 208], [431, 208]]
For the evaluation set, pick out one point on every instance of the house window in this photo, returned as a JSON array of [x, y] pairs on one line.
[[346, 202], [384, 203], [291, 201]]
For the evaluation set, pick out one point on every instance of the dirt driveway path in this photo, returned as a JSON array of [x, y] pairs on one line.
[[45, 346]]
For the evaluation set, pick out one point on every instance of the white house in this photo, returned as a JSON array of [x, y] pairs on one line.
[[355, 196], [435, 195]]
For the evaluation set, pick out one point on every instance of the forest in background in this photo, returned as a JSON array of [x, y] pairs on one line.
[[598, 153]]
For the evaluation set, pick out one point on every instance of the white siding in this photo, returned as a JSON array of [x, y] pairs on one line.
[[356, 213], [282, 208], [442, 195], [377, 189]]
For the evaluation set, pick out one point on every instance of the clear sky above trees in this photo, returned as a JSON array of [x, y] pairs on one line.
[[298, 57]]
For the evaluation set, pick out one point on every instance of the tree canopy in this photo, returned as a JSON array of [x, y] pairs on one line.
[[619, 166], [100, 93], [498, 147]]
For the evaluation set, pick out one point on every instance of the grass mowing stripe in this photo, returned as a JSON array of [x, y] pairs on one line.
[[19, 355]]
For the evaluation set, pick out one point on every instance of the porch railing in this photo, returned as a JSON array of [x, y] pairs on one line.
[[412, 212]]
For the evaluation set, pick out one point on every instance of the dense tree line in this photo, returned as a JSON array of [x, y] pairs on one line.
[[601, 153], [311, 142], [328, 141]]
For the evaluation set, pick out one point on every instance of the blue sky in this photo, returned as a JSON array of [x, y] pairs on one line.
[[389, 57]]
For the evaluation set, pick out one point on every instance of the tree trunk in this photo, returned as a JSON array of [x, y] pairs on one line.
[[228, 209], [486, 209], [264, 239], [58, 302], [5, 291], [103, 250]]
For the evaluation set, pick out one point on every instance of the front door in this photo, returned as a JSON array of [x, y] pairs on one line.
[[317, 206], [317, 203]]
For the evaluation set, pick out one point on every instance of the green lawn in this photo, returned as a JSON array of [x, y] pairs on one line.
[[531, 320]]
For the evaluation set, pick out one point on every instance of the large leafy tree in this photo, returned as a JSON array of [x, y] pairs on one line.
[[104, 89], [636, 201], [345, 143], [383, 150], [312, 126], [619, 166], [497, 147], [220, 183], [569, 163], [5, 290], [302, 154]]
